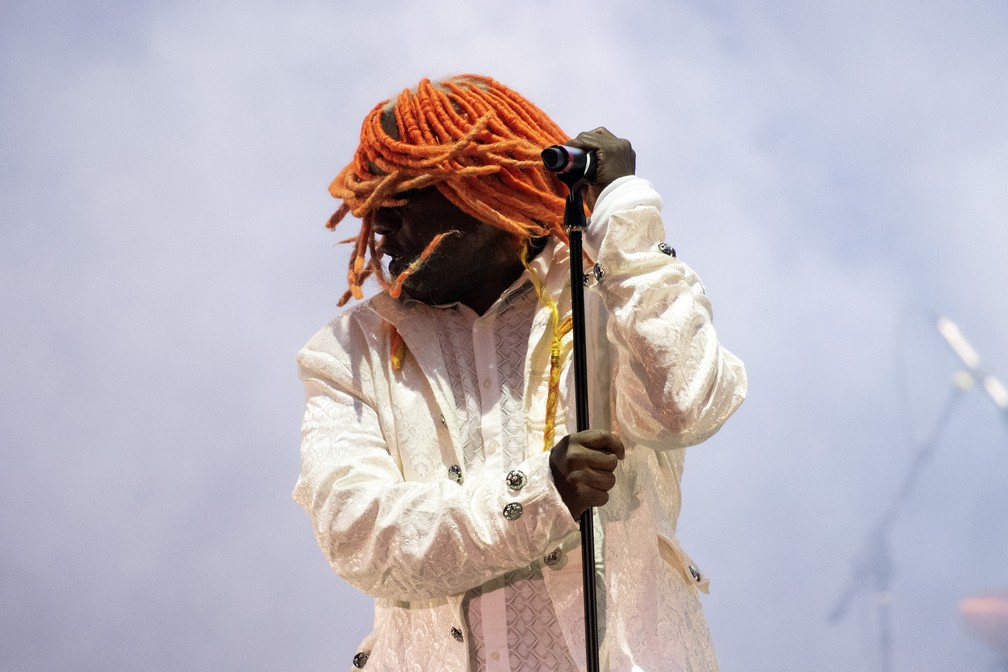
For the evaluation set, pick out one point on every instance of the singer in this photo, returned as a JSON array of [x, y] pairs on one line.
[[437, 464]]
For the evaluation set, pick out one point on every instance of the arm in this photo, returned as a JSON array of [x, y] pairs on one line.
[[674, 384], [409, 540]]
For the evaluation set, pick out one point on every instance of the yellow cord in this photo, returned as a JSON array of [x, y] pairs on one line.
[[398, 347], [558, 351]]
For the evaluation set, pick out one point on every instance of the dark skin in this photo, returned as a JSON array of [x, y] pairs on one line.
[[615, 158], [474, 265]]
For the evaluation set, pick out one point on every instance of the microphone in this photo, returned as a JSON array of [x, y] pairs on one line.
[[570, 163], [971, 360]]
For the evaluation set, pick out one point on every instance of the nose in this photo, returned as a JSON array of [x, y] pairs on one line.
[[385, 221]]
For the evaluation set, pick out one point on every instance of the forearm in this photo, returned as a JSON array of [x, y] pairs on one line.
[[673, 381], [414, 540]]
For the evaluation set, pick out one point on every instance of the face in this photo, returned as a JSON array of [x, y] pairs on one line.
[[472, 266]]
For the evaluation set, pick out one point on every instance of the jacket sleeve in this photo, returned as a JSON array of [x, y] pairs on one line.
[[410, 539], [673, 383]]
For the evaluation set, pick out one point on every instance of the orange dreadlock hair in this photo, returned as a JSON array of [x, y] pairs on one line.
[[473, 138]]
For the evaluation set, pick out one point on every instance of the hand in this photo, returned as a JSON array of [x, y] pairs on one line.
[[583, 466], [616, 158]]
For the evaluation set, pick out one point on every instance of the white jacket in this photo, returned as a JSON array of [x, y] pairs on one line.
[[379, 476]]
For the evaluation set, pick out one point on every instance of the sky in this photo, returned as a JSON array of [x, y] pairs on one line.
[[835, 172]]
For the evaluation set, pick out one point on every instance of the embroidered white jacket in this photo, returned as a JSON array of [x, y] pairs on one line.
[[389, 513]]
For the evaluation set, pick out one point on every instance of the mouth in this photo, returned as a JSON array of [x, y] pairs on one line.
[[396, 265], [397, 261], [396, 257]]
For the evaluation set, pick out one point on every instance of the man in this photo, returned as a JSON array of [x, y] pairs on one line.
[[431, 470]]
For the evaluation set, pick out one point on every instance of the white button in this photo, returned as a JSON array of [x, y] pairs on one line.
[[495, 656]]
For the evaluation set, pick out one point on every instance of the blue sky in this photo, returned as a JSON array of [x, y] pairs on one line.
[[836, 172]]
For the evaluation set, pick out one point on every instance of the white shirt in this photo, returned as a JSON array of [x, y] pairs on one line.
[[381, 446], [513, 626]]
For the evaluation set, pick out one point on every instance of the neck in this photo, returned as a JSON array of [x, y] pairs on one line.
[[484, 296]]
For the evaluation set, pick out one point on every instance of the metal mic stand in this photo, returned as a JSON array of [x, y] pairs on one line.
[[574, 222], [873, 568]]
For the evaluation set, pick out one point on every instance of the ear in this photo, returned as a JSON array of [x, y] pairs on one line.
[[389, 123]]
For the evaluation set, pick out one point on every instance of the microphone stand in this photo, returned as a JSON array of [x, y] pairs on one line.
[[574, 221], [574, 167], [873, 569]]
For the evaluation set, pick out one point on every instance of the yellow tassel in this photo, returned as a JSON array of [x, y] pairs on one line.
[[399, 350], [556, 357], [558, 330]]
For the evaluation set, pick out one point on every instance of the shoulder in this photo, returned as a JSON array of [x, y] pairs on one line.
[[349, 343]]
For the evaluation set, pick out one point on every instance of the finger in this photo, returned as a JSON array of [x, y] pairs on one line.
[[582, 457], [590, 437], [593, 139], [600, 440], [582, 500], [596, 479], [589, 497]]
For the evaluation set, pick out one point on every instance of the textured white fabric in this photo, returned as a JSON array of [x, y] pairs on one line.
[[378, 445], [512, 624]]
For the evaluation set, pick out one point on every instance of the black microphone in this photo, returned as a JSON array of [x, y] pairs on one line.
[[570, 163]]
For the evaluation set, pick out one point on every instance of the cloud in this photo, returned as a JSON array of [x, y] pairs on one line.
[[834, 172]]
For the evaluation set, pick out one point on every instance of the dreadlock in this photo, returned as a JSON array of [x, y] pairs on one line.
[[473, 138]]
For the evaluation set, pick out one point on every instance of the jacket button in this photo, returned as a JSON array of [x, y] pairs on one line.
[[513, 511], [667, 249], [360, 659], [516, 480], [456, 633], [554, 557], [443, 422], [455, 473]]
